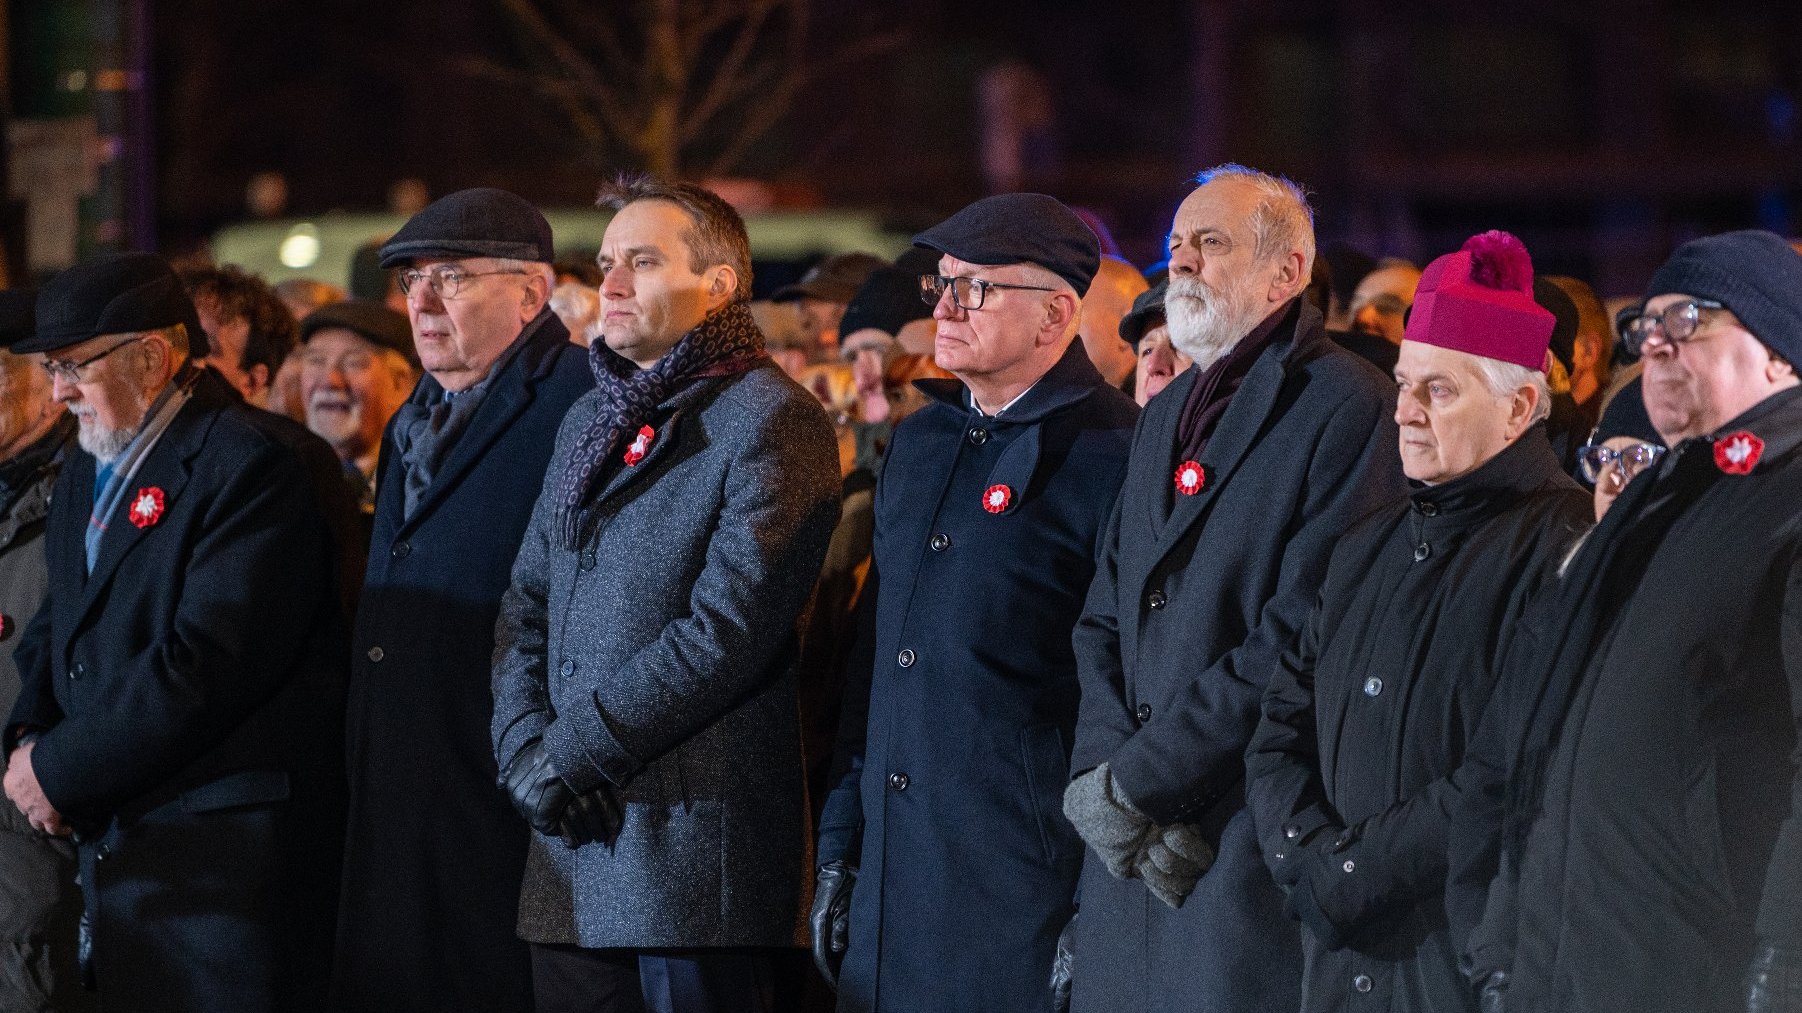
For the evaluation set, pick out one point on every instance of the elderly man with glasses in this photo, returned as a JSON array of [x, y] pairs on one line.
[[435, 852], [991, 498], [180, 713], [1650, 842]]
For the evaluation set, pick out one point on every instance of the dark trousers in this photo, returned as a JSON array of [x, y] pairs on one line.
[[571, 979], [40, 907]]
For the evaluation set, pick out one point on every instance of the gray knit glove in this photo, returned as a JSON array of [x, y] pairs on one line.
[[1107, 822], [1174, 860]]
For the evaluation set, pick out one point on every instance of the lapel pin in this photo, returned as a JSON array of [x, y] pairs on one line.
[[996, 498], [1190, 477], [146, 507], [6, 626], [1737, 453], [641, 444]]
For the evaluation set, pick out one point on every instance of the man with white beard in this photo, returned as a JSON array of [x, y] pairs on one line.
[[357, 367], [1242, 475]]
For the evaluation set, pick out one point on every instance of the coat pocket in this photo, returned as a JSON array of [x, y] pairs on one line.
[[245, 788], [1047, 764]]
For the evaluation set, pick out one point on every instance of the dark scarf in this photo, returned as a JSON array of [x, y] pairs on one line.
[[724, 344], [1215, 387], [20, 472]]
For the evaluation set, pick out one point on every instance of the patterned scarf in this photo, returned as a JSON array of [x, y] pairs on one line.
[[724, 344]]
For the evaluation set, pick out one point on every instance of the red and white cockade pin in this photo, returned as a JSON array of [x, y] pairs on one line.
[[1737, 453], [146, 507], [996, 498], [1190, 477], [6, 626], [641, 444]]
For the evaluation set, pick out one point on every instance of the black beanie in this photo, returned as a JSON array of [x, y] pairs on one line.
[[1753, 273], [888, 300]]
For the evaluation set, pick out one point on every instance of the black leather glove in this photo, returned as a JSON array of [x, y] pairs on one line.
[[1492, 993], [1774, 981], [830, 919], [592, 817], [1063, 967], [535, 788]]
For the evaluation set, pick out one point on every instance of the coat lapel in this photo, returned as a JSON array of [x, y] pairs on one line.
[[167, 469]]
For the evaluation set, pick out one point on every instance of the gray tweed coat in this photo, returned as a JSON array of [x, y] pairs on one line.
[[660, 658]]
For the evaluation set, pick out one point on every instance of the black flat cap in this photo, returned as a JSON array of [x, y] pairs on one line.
[[835, 279], [1564, 314], [18, 315], [1147, 313], [480, 222], [1020, 228], [888, 301], [114, 293], [372, 321]]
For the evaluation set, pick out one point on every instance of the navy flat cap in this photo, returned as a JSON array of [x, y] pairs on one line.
[[372, 321], [1020, 228], [18, 315], [480, 222], [1147, 313], [114, 293]]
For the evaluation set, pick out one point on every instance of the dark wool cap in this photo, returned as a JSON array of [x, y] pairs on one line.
[[114, 293], [18, 315], [1753, 273], [481, 222], [1020, 228], [835, 279], [1555, 301], [374, 321], [1147, 313], [888, 301], [1626, 416]]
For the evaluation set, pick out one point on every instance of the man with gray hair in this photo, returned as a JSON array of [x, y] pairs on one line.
[[1241, 477]]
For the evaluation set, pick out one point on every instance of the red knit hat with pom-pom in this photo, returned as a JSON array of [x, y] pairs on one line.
[[1480, 300]]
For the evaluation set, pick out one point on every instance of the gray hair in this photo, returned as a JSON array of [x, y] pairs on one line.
[[1504, 378], [1282, 221]]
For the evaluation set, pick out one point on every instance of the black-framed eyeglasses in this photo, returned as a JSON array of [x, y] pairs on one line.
[[445, 282], [1677, 322], [966, 293], [1595, 460], [74, 372]]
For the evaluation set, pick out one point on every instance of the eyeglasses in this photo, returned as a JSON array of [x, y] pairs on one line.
[[1595, 460], [445, 282], [966, 293], [1677, 322], [75, 372]]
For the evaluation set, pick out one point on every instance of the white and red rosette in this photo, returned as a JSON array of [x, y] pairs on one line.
[[1738, 453], [146, 507], [1190, 478], [997, 498], [641, 444]]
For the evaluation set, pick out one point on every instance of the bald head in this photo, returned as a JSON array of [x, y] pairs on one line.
[[1110, 296]]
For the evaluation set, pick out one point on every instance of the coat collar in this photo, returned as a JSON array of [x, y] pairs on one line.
[[1777, 421], [668, 423], [1525, 466], [1070, 379]]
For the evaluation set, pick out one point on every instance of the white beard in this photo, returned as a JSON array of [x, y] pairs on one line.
[[1204, 324], [107, 444]]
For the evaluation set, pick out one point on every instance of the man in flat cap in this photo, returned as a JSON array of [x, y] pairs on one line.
[[1243, 474], [39, 902], [645, 714], [955, 742], [432, 865], [357, 368], [183, 682], [822, 295], [1352, 773], [1144, 328], [1651, 852]]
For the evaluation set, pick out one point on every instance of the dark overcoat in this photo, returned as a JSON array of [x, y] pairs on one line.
[[659, 657], [1668, 839], [968, 868], [1193, 598], [1367, 714], [435, 851], [191, 691]]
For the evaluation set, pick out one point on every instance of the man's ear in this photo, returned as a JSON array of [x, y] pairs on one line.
[[537, 294], [1061, 310], [1289, 279], [722, 285]]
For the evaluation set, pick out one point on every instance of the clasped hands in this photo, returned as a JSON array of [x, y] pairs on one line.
[[1169, 859], [548, 803], [23, 789]]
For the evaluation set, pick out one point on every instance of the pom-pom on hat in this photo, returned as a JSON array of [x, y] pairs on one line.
[[1480, 300]]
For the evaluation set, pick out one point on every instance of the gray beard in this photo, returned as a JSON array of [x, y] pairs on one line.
[[107, 444], [1204, 324]]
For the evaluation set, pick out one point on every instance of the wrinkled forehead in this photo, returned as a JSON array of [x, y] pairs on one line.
[[952, 267], [1224, 204]]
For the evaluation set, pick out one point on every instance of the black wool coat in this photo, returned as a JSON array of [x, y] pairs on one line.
[[189, 696], [1193, 598], [435, 852], [1352, 774], [955, 784], [1668, 837]]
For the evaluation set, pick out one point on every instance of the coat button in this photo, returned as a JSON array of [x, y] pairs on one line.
[[1156, 599], [1362, 983], [940, 542], [567, 669], [898, 781], [1429, 509], [1291, 833], [1144, 713], [401, 550], [906, 658], [585, 561], [78, 671], [102, 853], [1350, 866], [978, 436], [375, 654], [1373, 686], [1422, 551]]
